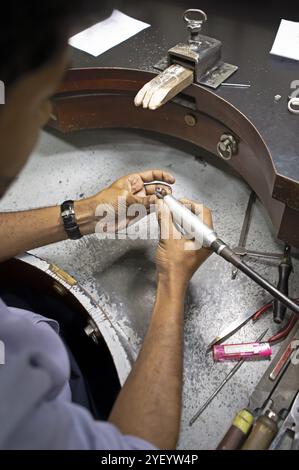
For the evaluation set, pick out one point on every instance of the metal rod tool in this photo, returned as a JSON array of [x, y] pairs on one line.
[[207, 237], [245, 227]]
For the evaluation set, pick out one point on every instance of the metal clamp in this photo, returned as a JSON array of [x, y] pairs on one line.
[[200, 54], [227, 146], [194, 19]]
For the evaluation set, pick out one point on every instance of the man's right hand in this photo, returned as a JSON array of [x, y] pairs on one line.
[[149, 405], [177, 258]]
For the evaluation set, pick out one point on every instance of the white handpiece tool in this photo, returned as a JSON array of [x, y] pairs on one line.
[[207, 237]]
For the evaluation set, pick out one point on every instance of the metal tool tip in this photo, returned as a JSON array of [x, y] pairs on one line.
[[160, 192], [212, 344], [263, 335]]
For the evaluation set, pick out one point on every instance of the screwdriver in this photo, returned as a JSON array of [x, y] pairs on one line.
[[207, 237], [285, 268], [263, 432], [236, 435]]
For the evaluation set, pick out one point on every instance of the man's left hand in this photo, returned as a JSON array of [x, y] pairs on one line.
[[113, 202]]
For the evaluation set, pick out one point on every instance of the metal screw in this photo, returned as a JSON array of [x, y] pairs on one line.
[[272, 415], [190, 120], [92, 331], [59, 289], [194, 19]]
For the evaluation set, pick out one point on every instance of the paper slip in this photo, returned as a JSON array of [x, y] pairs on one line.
[[286, 43], [106, 34]]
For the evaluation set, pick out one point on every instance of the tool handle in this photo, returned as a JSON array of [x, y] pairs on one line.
[[279, 309], [261, 435], [233, 439], [238, 431], [191, 224], [225, 252]]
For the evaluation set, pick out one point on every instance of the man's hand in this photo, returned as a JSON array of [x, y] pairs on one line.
[[113, 202], [150, 402], [177, 258]]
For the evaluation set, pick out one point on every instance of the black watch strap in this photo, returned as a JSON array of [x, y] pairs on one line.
[[69, 220]]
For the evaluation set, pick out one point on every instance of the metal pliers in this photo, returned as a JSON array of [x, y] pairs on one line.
[[284, 331], [238, 324]]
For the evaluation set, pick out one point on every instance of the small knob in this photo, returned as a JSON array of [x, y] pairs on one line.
[[194, 19], [227, 146]]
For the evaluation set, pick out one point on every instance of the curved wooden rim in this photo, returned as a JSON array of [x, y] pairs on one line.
[[103, 98]]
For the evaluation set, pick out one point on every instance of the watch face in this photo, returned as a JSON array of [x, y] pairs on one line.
[[67, 213], [69, 220]]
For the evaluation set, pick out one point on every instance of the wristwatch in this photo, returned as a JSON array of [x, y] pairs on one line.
[[69, 220]]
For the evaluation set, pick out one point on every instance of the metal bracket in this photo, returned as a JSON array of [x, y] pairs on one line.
[[212, 79], [216, 76], [92, 331]]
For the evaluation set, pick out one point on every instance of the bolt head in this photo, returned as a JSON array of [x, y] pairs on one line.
[[190, 120], [59, 288]]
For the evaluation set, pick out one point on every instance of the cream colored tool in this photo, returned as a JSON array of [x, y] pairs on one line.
[[164, 87]]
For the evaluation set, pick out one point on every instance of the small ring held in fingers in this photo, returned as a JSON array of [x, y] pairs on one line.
[[162, 183]]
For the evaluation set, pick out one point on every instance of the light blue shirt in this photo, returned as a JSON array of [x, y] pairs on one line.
[[36, 411]]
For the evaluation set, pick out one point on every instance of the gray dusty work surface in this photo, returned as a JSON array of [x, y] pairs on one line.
[[120, 274]]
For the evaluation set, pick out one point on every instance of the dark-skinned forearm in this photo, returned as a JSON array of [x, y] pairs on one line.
[[26, 230], [149, 404]]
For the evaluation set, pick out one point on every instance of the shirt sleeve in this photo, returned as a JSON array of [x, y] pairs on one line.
[[57, 425], [34, 413]]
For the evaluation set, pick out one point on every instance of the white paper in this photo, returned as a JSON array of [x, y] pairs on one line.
[[286, 43], [103, 36]]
